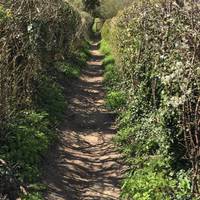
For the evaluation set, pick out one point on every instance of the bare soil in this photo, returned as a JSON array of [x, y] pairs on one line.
[[85, 165]]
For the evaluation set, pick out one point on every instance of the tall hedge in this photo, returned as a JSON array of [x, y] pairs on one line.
[[35, 34], [38, 47], [156, 46]]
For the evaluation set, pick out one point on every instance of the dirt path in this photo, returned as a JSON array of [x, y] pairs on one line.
[[85, 165]]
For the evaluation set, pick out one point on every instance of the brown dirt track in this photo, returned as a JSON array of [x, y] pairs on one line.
[[85, 164]]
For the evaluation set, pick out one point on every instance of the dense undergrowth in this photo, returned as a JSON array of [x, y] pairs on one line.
[[152, 78], [41, 53]]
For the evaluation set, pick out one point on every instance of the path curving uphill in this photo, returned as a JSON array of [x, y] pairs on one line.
[[85, 165]]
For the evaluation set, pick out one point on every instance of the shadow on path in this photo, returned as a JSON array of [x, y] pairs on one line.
[[84, 165]]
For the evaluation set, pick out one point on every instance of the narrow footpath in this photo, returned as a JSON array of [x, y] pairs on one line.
[[85, 165]]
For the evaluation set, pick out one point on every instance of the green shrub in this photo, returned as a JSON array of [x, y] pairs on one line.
[[81, 55], [69, 69], [3, 14], [105, 47], [110, 76], [156, 68], [115, 99], [34, 102], [29, 139], [109, 59], [96, 28], [50, 98], [155, 181], [110, 72], [106, 31], [33, 196]]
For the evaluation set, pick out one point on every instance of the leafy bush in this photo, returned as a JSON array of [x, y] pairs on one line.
[[80, 56], [29, 138], [31, 45], [96, 28], [32, 102], [105, 47], [33, 196], [50, 98], [115, 99], [69, 69], [146, 147], [110, 76], [3, 14], [152, 43], [105, 33], [153, 181], [109, 59]]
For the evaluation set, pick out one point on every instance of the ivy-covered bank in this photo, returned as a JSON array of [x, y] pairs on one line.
[[152, 67], [44, 47]]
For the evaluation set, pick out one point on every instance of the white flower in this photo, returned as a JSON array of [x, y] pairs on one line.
[[30, 27]]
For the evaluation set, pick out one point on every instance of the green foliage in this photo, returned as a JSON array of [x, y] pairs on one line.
[[32, 103], [80, 57], [105, 47], [3, 14], [153, 181], [96, 28], [50, 98], [35, 192], [109, 59], [33, 196], [69, 69], [29, 138], [115, 99], [31, 45], [146, 145], [152, 58], [110, 76], [105, 34]]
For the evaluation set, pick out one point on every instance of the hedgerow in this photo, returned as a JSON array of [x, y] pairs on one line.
[[40, 42], [155, 45], [109, 8], [32, 38]]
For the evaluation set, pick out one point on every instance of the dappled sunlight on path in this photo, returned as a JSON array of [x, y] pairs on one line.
[[85, 165]]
